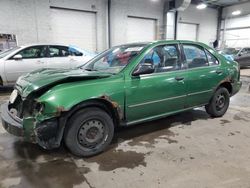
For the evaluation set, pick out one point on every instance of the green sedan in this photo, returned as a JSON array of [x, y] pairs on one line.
[[122, 86]]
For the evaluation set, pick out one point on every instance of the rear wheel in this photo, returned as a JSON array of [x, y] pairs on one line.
[[89, 132], [218, 105]]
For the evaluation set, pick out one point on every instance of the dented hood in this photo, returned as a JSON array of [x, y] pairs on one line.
[[44, 79]]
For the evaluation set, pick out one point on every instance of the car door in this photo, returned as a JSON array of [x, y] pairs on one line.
[[203, 75], [162, 92], [30, 59], [58, 57]]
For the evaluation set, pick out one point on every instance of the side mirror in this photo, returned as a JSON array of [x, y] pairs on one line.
[[146, 68], [18, 57]]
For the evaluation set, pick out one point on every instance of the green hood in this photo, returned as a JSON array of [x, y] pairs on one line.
[[44, 79]]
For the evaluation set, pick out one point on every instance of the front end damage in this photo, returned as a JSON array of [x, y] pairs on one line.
[[34, 116], [21, 119]]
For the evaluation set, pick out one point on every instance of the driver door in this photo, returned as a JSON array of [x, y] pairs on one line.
[[163, 92], [33, 58]]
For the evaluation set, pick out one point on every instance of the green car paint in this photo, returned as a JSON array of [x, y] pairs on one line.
[[131, 99]]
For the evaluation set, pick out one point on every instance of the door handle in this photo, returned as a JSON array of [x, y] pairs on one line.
[[179, 78], [219, 71], [40, 62]]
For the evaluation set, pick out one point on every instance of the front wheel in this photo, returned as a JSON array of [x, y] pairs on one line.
[[89, 132], [219, 103]]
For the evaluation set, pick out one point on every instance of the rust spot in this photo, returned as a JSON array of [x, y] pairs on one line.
[[114, 104], [59, 110]]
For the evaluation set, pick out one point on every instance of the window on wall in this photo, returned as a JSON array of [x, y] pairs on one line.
[[195, 56], [165, 58]]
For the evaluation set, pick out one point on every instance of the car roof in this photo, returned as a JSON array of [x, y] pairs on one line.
[[42, 44], [158, 41]]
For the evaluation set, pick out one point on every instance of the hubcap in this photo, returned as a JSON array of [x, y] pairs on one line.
[[220, 102], [91, 133]]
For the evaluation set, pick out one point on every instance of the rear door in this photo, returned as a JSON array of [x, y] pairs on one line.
[[162, 92], [33, 58], [59, 57], [204, 74]]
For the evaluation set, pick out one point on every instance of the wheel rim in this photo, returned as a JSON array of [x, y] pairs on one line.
[[220, 102], [91, 133]]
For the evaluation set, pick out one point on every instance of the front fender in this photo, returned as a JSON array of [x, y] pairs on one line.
[[64, 97]]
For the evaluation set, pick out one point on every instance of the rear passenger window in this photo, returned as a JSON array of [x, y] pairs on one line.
[[195, 56], [58, 51], [211, 59]]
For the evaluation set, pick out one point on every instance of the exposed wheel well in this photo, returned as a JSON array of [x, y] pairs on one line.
[[99, 103], [228, 86]]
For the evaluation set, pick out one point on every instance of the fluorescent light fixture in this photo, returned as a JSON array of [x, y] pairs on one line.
[[201, 6], [237, 12]]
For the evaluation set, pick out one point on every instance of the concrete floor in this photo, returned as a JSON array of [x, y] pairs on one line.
[[245, 71], [186, 150]]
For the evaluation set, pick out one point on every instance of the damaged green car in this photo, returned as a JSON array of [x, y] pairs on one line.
[[122, 86]]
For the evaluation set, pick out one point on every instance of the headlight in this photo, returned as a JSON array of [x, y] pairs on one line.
[[38, 107]]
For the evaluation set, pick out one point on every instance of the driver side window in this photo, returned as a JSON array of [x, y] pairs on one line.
[[164, 58]]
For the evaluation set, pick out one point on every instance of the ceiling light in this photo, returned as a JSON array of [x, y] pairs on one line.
[[237, 12], [201, 6]]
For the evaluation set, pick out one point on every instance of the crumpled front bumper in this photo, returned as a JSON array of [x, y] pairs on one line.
[[11, 124], [46, 133]]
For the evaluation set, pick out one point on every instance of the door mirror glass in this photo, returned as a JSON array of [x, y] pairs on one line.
[[145, 68], [18, 57]]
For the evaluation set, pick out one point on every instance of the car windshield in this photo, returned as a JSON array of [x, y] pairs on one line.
[[7, 52], [230, 51], [114, 59]]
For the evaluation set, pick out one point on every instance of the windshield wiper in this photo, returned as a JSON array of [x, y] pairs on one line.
[[90, 69]]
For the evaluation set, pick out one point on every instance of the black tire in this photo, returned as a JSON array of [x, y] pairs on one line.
[[219, 103], [89, 132]]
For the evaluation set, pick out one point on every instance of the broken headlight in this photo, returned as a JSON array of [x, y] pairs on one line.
[[38, 107]]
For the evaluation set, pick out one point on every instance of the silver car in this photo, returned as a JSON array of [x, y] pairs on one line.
[[25, 59]]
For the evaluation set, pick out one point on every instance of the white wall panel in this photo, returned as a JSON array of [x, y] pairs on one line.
[[141, 30], [187, 31], [122, 9], [242, 21], [170, 25], [74, 28], [237, 38], [206, 19]]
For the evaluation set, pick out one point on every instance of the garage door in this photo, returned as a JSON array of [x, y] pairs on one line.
[[74, 28], [237, 32], [186, 31], [141, 29]]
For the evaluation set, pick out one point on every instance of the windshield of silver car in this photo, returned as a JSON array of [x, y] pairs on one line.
[[7, 52]]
